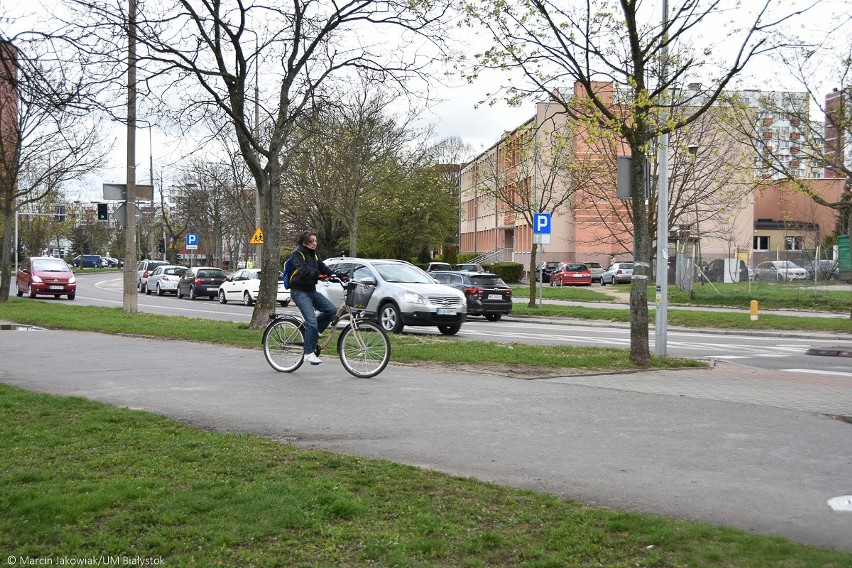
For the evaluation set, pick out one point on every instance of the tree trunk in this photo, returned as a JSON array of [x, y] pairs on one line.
[[533, 281], [270, 225], [639, 351], [6, 257]]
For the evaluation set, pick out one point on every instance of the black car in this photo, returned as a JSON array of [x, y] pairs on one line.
[[487, 295], [201, 281], [543, 272]]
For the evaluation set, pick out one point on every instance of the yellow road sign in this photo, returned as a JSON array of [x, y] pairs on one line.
[[257, 238]]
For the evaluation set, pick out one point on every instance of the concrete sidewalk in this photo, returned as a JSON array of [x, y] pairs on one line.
[[759, 450]]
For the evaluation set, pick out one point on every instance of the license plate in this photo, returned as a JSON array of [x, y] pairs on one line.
[[495, 296], [446, 311], [54, 287]]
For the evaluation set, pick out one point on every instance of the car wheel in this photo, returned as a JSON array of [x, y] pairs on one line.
[[192, 295], [449, 329], [148, 290], [389, 318], [222, 298], [72, 296], [179, 293], [143, 287], [247, 299], [19, 292], [32, 294], [159, 290], [493, 317], [602, 281]]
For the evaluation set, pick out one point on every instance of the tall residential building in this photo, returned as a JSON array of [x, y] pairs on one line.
[[836, 123]]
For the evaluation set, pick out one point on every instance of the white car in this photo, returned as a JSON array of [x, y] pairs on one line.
[[399, 294], [164, 279], [779, 271], [244, 286]]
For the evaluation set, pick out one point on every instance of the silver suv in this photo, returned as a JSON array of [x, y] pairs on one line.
[[144, 269], [403, 294]]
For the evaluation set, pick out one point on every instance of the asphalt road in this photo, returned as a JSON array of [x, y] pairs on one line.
[[762, 350], [736, 446]]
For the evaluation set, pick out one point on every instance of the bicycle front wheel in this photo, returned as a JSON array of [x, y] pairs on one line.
[[364, 349], [283, 345]]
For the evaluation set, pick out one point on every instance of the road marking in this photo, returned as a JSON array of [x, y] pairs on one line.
[[842, 503], [818, 372]]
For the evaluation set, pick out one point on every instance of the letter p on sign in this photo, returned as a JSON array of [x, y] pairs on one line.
[[541, 223]]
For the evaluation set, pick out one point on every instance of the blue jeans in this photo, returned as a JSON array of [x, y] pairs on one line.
[[309, 303]]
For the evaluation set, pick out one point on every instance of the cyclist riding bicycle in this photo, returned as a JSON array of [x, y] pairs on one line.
[[307, 269]]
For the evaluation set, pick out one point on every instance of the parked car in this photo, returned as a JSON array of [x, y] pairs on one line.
[[545, 269], [595, 269], [487, 295], [46, 276], [244, 286], [89, 261], [144, 269], [201, 281], [470, 267], [618, 273], [109, 262], [727, 270], [402, 294], [821, 269], [571, 275], [164, 279], [433, 266], [779, 271]]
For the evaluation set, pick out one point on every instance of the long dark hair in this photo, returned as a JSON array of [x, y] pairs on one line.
[[305, 237]]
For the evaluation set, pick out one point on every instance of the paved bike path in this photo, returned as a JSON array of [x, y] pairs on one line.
[[729, 446]]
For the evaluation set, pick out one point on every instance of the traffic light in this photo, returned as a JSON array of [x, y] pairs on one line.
[[103, 212], [161, 247]]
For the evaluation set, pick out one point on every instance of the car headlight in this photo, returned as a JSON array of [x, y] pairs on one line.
[[413, 298], [36, 279], [72, 280]]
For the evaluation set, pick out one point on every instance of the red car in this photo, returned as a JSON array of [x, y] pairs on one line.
[[47, 276], [571, 275]]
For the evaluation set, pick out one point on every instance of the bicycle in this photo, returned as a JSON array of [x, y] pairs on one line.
[[363, 346]]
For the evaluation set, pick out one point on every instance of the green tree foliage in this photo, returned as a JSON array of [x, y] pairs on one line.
[[415, 213]]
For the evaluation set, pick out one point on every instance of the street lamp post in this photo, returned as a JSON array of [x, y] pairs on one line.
[[662, 284]]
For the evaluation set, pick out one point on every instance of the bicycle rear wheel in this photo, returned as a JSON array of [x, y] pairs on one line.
[[284, 344], [364, 351]]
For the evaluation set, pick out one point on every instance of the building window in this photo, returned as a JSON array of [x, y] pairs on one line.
[[761, 243], [793, 243]]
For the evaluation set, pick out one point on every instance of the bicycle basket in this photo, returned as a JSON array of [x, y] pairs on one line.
[[358, 295]]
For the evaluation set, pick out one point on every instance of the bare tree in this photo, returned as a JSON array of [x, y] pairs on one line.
[[44, 139], [605, 42], [279, 60], [825, 147]]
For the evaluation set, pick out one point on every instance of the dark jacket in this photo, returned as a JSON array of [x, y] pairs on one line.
[[307, 267]]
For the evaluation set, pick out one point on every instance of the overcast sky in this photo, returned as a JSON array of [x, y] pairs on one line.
[[457, 115]]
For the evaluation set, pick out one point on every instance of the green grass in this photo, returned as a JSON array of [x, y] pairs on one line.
[[406, 349], [84, 480]]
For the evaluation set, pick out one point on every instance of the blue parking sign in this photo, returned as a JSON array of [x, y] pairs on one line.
[[541, 223], [192, 240]]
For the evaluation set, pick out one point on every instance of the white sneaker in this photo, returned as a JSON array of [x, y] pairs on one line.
[[313, 359]]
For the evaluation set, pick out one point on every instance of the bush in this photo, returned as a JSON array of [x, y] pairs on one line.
[[465, 257], [510, 272]]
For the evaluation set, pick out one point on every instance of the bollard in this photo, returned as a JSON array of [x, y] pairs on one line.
[[753, 305]]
